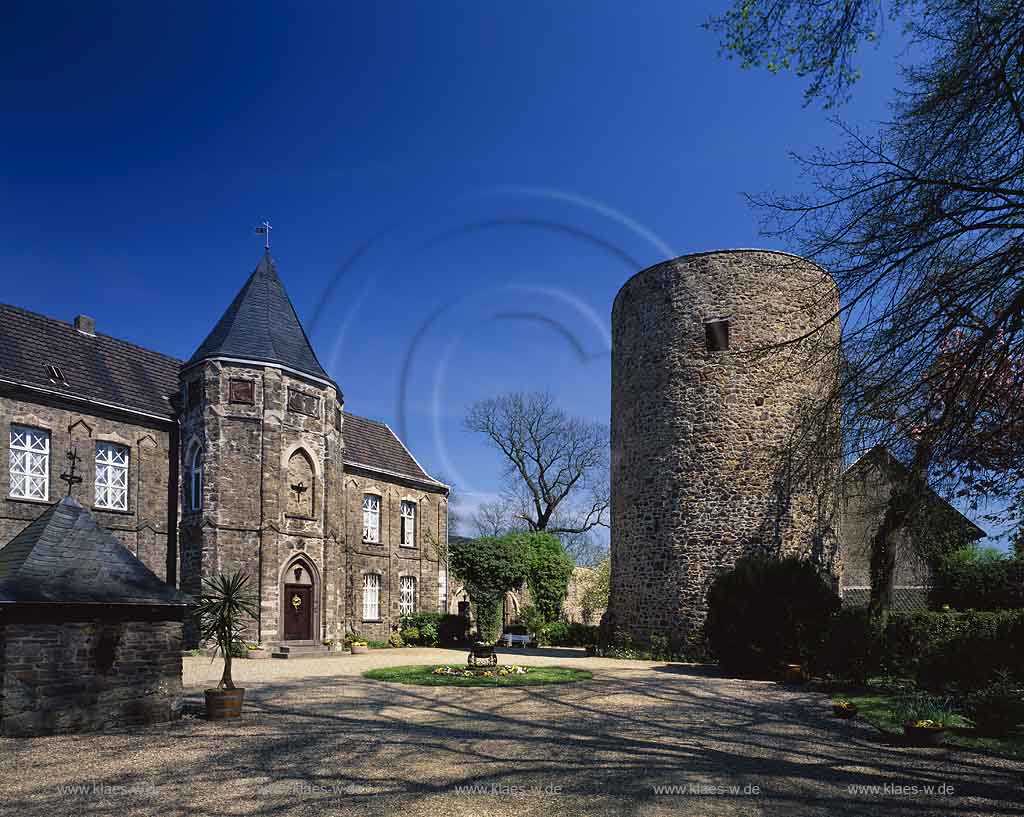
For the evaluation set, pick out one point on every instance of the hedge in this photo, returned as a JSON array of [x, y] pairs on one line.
[[941, 651], [962, 650]]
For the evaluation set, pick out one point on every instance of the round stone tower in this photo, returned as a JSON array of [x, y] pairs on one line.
[[705, 405]]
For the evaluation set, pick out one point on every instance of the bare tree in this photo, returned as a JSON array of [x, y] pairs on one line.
[[556, 474], [922, 226], [496, 518]]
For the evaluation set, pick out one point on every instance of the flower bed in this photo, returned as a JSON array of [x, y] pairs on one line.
[[482, 672]]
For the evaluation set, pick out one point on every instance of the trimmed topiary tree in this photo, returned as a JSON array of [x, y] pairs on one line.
[[488, 567], [767, 612], [491, 566]]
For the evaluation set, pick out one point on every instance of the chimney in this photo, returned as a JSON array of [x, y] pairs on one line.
[[85, 324]]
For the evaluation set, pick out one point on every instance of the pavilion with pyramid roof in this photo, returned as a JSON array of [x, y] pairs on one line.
[[89, 636]]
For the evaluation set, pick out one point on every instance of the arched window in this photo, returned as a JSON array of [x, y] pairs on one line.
[[195, 478], [301, 485]]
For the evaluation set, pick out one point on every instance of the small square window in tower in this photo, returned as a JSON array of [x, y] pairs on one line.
[[302, 403], [241, 391], [716, 334]]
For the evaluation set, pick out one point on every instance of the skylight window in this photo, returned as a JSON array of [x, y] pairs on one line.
[[56, 375]]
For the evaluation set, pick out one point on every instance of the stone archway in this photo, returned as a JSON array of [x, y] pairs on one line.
[[300, 601]]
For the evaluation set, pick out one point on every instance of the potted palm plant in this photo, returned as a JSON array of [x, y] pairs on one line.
[[225, 604]]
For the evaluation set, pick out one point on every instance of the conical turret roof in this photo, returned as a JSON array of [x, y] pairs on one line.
[[261, 326]]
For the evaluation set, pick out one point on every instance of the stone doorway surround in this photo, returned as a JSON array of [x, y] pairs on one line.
[[301, 579]]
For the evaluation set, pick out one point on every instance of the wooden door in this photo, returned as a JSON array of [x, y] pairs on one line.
[[298, 612]]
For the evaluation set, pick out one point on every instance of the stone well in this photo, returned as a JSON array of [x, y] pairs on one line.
[[90, 638]]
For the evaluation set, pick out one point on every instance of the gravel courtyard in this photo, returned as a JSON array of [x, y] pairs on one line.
[[319, 739]]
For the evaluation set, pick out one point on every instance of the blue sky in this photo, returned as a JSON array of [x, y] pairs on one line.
[[457, 190]]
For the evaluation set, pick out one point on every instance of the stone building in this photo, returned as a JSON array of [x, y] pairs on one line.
[[242, 457], [867, 485], [700, 427], [89, 637]]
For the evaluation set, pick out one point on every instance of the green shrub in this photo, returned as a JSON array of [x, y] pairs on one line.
[[555, 633], [956, 650], [396, 640], [765, 612], [532, 619], [411, 635], [852, 648], [580, 635], [428, 634], [421, 629], [974, 578], [997, 709]]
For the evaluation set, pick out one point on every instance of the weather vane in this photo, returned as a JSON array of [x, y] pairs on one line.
[[264, 229], [71, 478]]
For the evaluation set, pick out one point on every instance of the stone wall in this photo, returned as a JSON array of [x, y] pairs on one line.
[[251, 421], [699, 437], [579, 584], [389, 558], [149, 527], [83, 676]]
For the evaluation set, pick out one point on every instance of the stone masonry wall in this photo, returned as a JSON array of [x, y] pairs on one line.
[[144, 528], [389, 558], [84, 676], [246, 419], [698, 436]]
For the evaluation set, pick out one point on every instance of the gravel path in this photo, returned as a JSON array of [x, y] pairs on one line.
[[318, 739]]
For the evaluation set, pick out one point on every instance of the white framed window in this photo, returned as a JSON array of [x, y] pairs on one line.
[[371, 597], [371, 518], [195, 478], [30, 463], [408, 524], [112, 476], [407, 595]]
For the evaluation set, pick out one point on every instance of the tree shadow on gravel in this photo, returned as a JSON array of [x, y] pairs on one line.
[[379, 749]]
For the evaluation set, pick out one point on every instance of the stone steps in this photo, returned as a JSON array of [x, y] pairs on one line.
[[301, 651]]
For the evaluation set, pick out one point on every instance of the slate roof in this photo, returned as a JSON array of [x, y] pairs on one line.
[[64, 556], [261, 326], [97, 367], [374, 445], [904, 599]]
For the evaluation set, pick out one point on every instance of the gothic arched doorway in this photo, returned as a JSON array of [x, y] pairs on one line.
[[300, 619]]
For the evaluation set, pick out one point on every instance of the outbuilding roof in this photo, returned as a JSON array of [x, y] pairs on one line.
[[64, 556]]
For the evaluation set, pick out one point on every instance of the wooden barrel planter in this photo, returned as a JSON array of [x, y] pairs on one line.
[[224, 703]]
